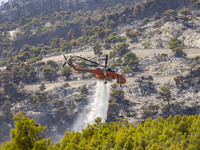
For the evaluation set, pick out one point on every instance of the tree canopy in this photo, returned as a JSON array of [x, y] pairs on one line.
[[176, 46], [27, 135], [172, 133], [97, 50], [131, 60], [67, 71], [49, 73], [121, 48]]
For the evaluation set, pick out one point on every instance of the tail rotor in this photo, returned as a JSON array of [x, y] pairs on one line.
[[64, 64], [66, 61]]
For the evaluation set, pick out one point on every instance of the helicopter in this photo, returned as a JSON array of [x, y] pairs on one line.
[[102, 71]]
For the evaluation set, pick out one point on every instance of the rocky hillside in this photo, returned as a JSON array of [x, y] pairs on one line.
[[141, 92], [15, 9], [158, 67], [145, 32], [156, 34]]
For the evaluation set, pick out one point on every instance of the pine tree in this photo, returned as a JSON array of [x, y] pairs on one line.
[[42, 87], [27, 135], [97, 49]]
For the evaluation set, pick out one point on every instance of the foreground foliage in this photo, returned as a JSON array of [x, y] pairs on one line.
[[178, 133], [173, 133], [27, 135]]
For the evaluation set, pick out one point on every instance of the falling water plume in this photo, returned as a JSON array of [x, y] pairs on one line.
[[97, 107]]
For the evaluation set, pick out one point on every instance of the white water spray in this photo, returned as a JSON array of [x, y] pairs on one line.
[[97, 107]]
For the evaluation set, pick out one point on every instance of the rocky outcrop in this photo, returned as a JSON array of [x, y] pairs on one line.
[[148, 8], [191, 38], [157, 34]]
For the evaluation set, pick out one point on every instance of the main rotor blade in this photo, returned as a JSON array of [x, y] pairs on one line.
[[89, 61], [92, 65], [67, 61]]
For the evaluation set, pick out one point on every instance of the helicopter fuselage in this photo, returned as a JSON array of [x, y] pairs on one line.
[[109, 76], [106, 75]]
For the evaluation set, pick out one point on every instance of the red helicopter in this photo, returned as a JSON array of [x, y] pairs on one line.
[[105, 74]]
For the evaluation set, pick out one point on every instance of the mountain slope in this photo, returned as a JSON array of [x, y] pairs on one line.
[[15, 9], [55, 34]]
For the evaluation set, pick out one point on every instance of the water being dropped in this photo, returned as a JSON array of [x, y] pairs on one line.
[[97, 107], [3, 2]]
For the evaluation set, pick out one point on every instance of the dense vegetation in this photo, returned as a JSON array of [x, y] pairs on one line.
[[27, 135], [67, 29], [173, 133], [63, 31]]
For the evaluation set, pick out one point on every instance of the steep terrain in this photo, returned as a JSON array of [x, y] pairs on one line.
[[156, 34], [61, 101], [15, 9], [138, 96]]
